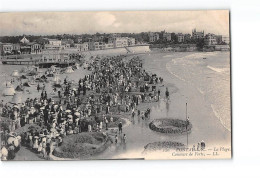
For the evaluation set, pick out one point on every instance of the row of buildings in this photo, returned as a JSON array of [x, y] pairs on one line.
[[209, 39], [39, 46]]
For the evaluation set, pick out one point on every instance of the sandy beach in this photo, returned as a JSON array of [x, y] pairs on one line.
[[207, 125]]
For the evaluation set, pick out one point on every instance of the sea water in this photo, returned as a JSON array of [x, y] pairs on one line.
[[209, 73]]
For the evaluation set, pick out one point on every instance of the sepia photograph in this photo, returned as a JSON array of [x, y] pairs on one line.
[[115, 85]]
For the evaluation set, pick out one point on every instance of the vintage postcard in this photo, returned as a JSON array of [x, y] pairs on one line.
[[115, 85]]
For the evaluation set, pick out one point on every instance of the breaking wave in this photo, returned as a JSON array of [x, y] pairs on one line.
[[219, 70]]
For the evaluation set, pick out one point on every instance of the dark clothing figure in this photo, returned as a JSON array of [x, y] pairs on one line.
[[120, 126]]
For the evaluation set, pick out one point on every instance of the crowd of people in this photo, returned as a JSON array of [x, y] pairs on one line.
[[115, 85]]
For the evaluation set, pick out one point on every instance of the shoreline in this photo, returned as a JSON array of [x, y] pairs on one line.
[[184, 89], [177, 89]]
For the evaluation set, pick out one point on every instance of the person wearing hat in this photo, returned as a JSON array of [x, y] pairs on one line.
[[120, 126], [39, 150], [35, 145], [203, 145]]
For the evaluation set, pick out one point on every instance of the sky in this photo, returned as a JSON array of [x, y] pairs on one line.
[[52, 23]]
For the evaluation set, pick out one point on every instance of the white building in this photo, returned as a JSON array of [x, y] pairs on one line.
[[109, 45], [120, 42], [82, 47], [210, 39], [53, 44], [131, 41]]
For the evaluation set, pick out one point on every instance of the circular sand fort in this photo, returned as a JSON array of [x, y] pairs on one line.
[[169, 125], [82, 145]]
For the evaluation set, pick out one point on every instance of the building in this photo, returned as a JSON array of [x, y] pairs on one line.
[[36, 48], [53, 44], [187, 37], [180, 37], [219, 39], [210, 39], [79, 40], [120, 42], [197, 35], [67, 41], [25, 49], [109, 45], [226, 39], [16, 48], [131, 41], [55, 57], [82, 47], [97, 46], [6, 48], [153, 37], [67, 45], [167, 36]]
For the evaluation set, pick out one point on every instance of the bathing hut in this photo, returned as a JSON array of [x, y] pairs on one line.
[[69, 70], [17, 98], [15, 73]]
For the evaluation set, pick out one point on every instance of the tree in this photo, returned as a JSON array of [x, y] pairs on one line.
[[200, 44]]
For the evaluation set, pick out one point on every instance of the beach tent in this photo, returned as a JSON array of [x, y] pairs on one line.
[[23, 77], [69, 70], [18, 88], [26, 84], [17, 98], [15, 73], [8, 91]]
